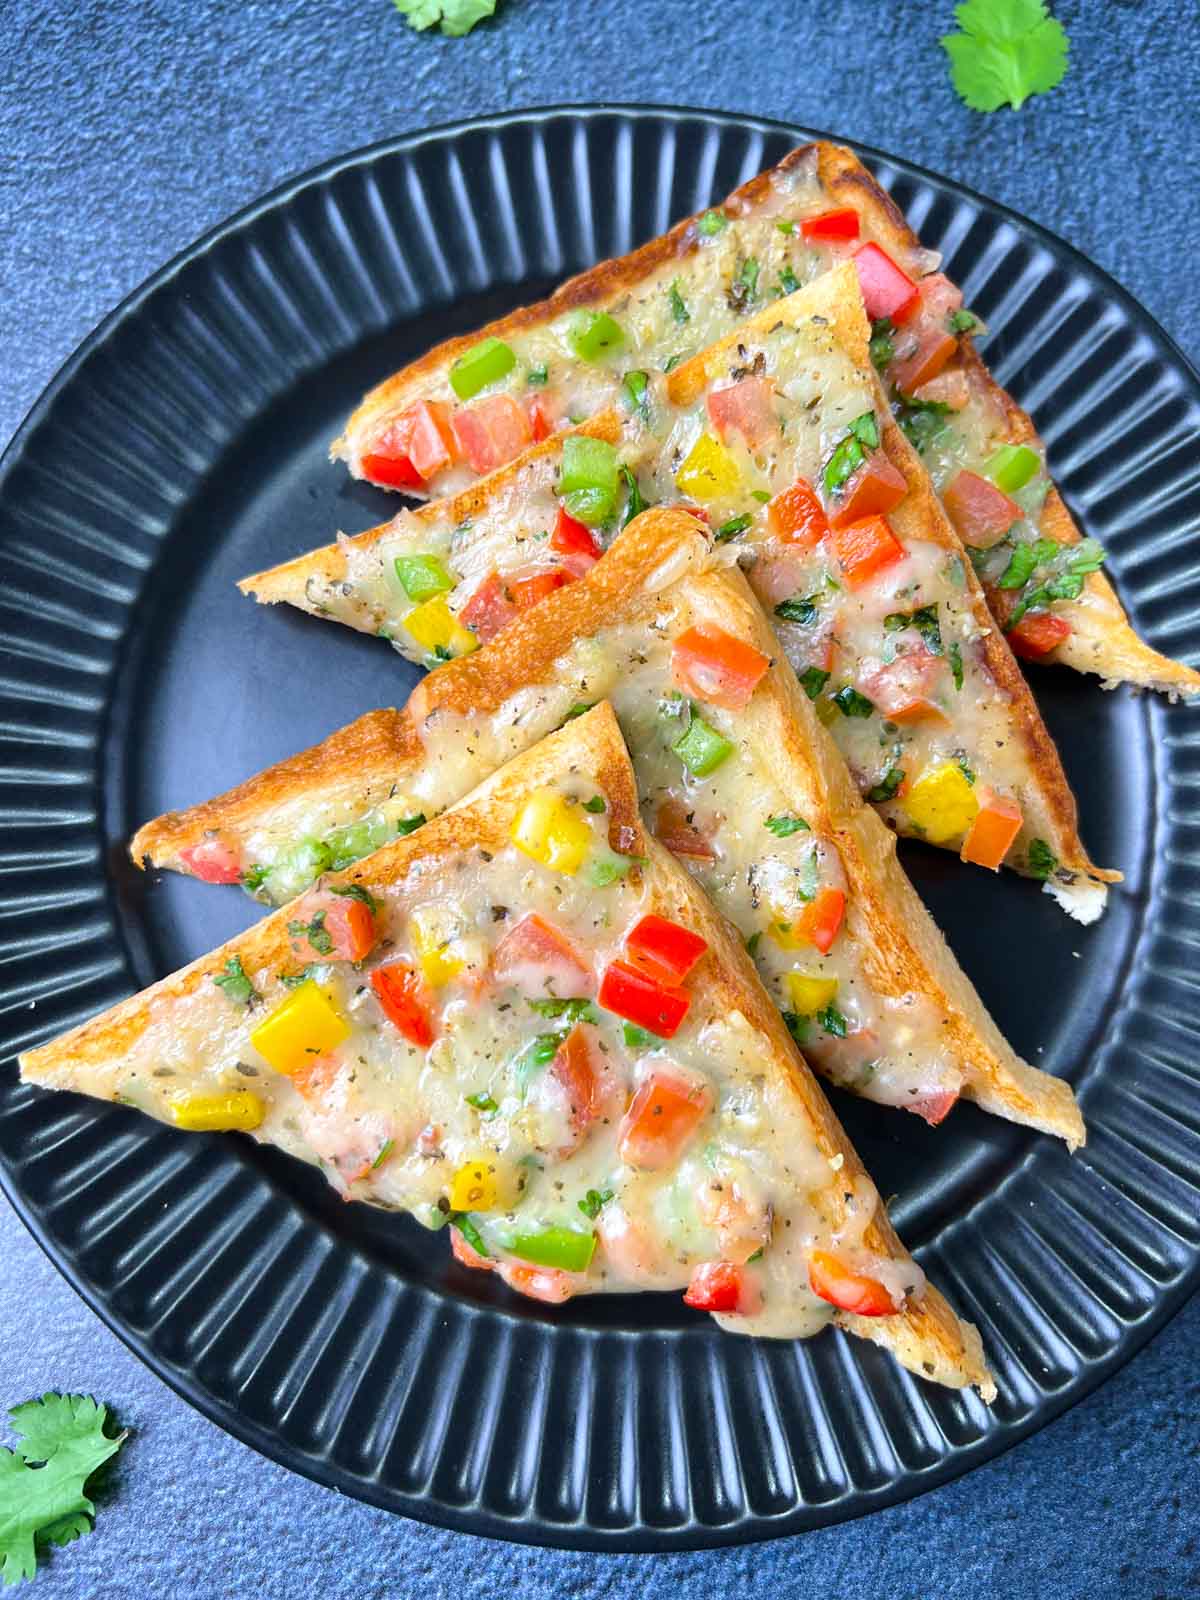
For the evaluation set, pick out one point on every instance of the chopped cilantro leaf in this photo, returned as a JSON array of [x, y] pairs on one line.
[[579, 709], [956, 664], [483, 1102], [852, 704], [1041, 859], [564, 1010], [788, 281], [797, 1025], [962, 321], [355, 891], [593, 1202], [1007, 50], [813, 680], [537, 377], [234, 984], [315, 932], [254, 877], [888, 786], [637, 1038], [832, 1020], [924, 620], [712, 223], [635, 385], [799, 608], [455, 17], [679, 310], [783, 826], [881, 348], [634, 502], [408, 825], [595, 804]]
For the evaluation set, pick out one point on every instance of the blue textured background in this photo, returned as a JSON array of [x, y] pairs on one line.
[[127, 130]]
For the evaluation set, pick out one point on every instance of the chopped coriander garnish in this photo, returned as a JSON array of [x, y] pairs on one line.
[[888, 786], [595, 804], [538, 376], [483, 1102], [924, 620], [731, 529], [234, 984], [963, 321], [881, 348], [593, 1201], [566, 1010], [850, 452], [712, 223], [254, 877], [784, 825], [407, 825], [355, 891], [797, 1025], [637, 1038], [634, 385], [679, 310], [788, 281], [579, 709], [832, 1020], [1041, 859], [813, 680], [634, 503], [763, 496], [798, 609], [315, 932], [786, 227], [852, 704], [956, 664]]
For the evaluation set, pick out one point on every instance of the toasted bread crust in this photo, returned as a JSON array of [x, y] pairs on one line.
[[926, 1336], [906, 953], [834, 297]]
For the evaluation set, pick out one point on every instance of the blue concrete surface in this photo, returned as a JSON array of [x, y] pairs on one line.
[[130, 129]]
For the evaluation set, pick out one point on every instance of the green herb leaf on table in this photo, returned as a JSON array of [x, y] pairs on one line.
[[45, 1504], [455, 17], [1007, 50]]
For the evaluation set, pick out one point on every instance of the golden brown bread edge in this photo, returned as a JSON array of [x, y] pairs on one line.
[[920, 516], [927, 1337], [1103, 640], [903, 949]]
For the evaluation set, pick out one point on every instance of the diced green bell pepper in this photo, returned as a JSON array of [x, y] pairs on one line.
[[421, 577], [1012, 466], [486, 363], [564, 1248], [351, 843], [701, 748], [589, 478], [296, 869], [594, 334]]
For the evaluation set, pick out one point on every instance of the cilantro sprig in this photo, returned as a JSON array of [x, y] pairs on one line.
[[455, 17], [1007, 50], [62, 1442]]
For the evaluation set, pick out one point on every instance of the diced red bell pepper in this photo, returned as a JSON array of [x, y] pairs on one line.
[[390, 471], [951, 389], [430, 440], [821, 918], [663, 949], [798, 516], [662, 1119], [490, 609], [539, 960], [1037, 634], [542, 421], [831, 1279], [405, 1001], [887, 290], [840, 224], [548, 1284], [681, 837], [527, 592], [865, 549], [997, 823], [212, 861], [981, 513], [720, 1286], [745, 407], [467, 1255], [632, 995], [574, 542], [933, 1107], [575, 1068], [875, 489], [902, 691], [935, 346], [710, 664], [348, 922], [491, 432]]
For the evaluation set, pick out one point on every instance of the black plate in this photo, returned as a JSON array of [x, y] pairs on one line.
[[183, 446]]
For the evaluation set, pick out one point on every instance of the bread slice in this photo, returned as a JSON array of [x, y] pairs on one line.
[[961, 713], [698, 272], [547, 1169], [916, 1033]]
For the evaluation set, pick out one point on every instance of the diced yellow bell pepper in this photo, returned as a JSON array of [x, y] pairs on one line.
[[942, 803], [484, 1184], [217, 1113], [550, 831], [438, 631], [809, 995], [437, 961], [709, 472], [306, 1025]]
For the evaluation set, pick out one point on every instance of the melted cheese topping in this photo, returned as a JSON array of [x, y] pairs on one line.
[[397, 1125]]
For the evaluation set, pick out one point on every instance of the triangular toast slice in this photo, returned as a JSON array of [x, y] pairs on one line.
[[818, 208], [759, 806], [882, 615], [586, 1079]]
